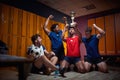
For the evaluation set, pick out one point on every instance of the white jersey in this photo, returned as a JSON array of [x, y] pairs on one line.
[[38, 51]]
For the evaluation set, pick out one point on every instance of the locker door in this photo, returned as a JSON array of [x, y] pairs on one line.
[[14, 45], [100, 23], [11, 21], [23, 46], [31, 24], [38, 25], [1, 20], [10, 45], [4, 19], [19, 27], [19, 41], [42, 33], [117, 28], [15, 22], [24, 23], [34, 24], [90, 24], [28, 42], [110, 34]]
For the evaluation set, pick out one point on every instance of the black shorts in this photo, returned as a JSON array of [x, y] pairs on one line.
[[34, 69], [72, 60], [59, 53], [93, 60]]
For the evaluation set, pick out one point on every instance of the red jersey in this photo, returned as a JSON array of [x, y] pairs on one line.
[[73, 46]]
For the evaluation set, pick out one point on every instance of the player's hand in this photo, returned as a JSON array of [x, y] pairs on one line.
[[51, 17], [94, 25], [66, 26], [52, 53]]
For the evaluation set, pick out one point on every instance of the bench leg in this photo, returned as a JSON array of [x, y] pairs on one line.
[[23, 69]]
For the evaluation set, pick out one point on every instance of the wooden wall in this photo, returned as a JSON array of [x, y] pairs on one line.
[[17, 26], [110, 44]]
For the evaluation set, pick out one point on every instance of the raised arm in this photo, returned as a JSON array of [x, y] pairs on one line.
[[101, 31], [47, 31], [63, 32], [65, 28]]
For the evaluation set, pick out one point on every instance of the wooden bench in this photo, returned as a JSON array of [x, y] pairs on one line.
[[22, 64]]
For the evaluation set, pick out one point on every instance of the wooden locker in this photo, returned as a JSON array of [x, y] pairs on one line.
[[90, 24], [19, 46], [23, 47], [4, 19], [100, 23], [117, 29], [5, 39], [34, 24], [19, 27], [110, 34], [38, 25], [14, 45], [28, 42], [1, 20], [15, 22], [11, 21], [42, 33], [0, 36], [28, 24], [24, 23], [10, 44], [66, 35], [31, 24]]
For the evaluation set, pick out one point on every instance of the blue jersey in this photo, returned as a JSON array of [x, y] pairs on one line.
[[56, 40], [92, 46]]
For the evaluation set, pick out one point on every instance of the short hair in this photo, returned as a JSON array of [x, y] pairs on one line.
[[34, 37], [88, 29], [53, 27]]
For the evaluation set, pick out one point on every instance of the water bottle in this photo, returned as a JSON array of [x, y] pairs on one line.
[[56, 72]]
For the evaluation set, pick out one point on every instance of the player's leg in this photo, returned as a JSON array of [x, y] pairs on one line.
[[102, 66], [48, 63], [64, 65], [79, 64]]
